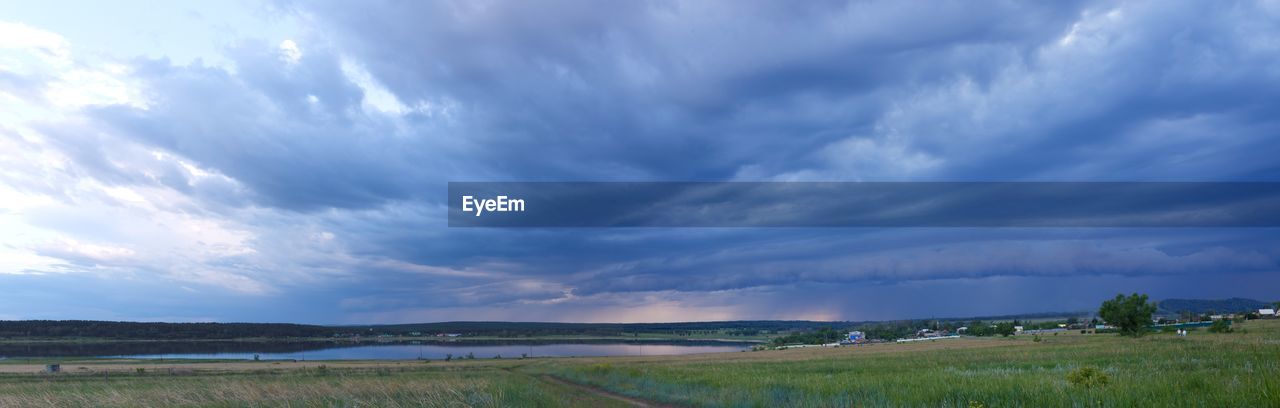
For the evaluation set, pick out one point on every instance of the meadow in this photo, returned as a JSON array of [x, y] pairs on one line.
[[306, 387], [1202, 369]]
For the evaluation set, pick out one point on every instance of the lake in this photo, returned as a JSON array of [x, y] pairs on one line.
[[364, 350]]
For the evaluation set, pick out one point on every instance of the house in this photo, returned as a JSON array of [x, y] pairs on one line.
[[1267, 312], [1017, 329], [856, 337]]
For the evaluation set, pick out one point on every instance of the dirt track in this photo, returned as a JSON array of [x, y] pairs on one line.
[[582, 388]]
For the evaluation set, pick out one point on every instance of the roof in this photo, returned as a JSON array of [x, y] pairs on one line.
[[1267, 311]]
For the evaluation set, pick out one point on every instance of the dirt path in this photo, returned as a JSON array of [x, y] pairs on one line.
[[635, 402]]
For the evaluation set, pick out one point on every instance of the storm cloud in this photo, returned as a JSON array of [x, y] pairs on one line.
[[307, 174]]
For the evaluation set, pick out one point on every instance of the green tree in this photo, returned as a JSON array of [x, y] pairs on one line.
[[1131, 315], [1004, 329], [1220, 326]]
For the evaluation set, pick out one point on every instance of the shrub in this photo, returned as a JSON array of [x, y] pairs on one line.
[[1037, 338], [1087, 377], [1220, 326]]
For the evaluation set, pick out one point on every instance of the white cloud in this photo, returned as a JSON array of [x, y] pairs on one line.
[[289, 52], [48, 46]]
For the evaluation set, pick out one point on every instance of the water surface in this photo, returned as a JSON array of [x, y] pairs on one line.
[[364, 350]]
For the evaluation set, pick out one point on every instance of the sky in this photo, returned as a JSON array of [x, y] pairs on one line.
[[288, 161]]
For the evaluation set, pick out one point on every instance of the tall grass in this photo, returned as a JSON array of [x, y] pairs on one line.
[[333, 388], [1204, 369]]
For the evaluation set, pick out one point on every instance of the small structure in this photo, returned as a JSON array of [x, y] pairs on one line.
[[1267, 312], [1044, 331], [856, 337], [52, 368], [927, 338]]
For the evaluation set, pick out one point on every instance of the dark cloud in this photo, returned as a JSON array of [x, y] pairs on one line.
[[345, 202], [294, 134]]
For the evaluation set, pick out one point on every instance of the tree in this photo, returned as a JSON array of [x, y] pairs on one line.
[[1131, 315], [1220, 326], [1004, 329]]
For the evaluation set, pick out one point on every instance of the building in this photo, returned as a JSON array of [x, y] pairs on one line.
[[856, 337], [1267, 312]]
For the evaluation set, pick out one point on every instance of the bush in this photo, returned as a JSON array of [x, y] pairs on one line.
[[1220, 326], [1087, 377]]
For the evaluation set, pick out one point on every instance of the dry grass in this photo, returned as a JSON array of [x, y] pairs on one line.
[[486, 387]]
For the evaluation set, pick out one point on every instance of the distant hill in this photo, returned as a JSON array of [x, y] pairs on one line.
[[154, 331], [1233, 305]]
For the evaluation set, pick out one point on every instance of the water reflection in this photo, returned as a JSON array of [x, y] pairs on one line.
[[362, 350]]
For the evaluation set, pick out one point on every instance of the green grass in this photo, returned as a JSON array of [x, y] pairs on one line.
[[1238, 369], [1212, 370]]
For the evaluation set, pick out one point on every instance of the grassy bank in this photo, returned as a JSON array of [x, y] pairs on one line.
[[1203, 369]]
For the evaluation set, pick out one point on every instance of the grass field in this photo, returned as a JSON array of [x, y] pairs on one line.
[[1203, 369]]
